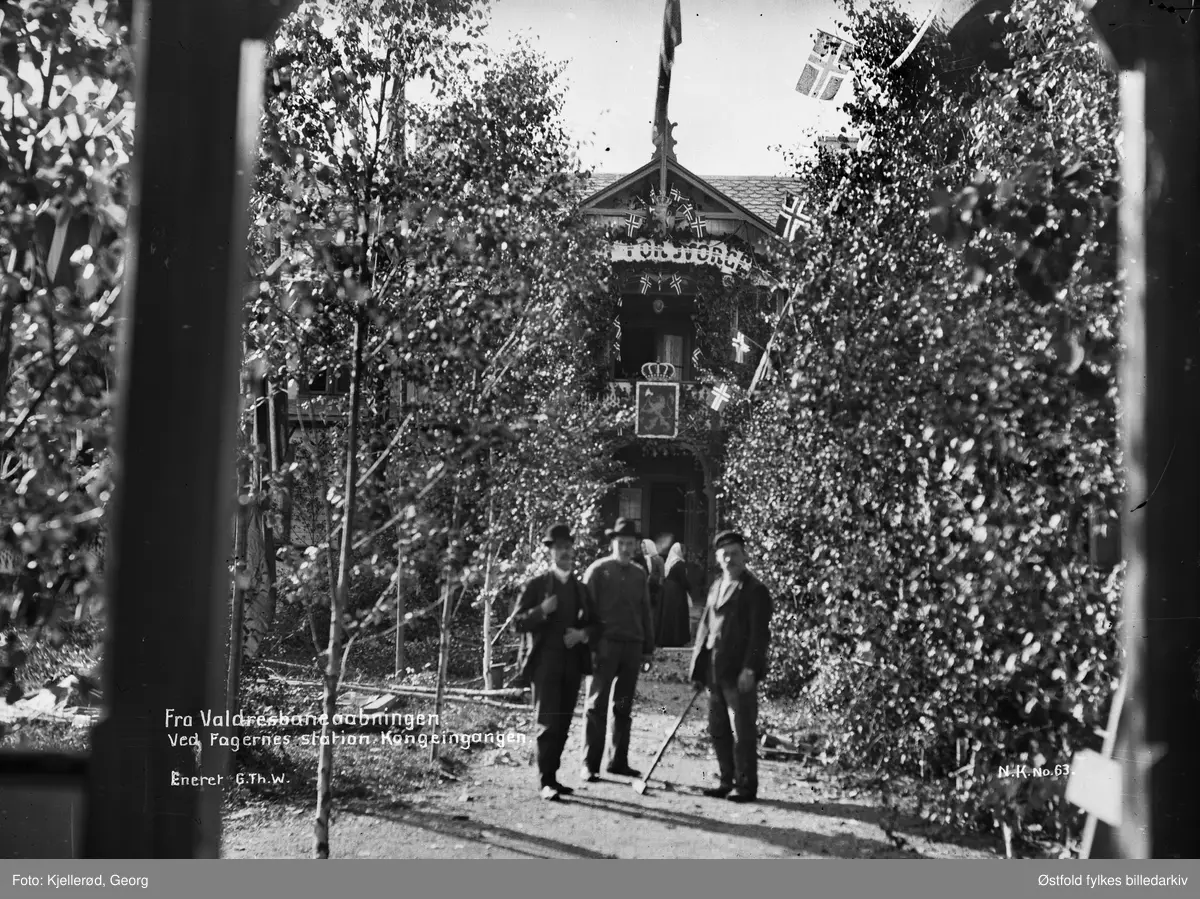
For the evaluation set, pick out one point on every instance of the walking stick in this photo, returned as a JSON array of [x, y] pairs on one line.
[[639, 785]]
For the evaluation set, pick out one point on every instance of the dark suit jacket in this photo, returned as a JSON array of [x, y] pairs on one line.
[[744, 638], [530, 621]]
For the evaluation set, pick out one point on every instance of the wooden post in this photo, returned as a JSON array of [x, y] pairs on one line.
[[399, 610], [167, 587], [1158, 53]]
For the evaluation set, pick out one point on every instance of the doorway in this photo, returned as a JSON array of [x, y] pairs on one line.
[[668, 515]]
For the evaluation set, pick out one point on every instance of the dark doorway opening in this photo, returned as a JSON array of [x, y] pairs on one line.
[[668, 515]]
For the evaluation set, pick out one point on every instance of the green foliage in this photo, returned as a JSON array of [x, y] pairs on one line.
[[64, 145], [918, 484]]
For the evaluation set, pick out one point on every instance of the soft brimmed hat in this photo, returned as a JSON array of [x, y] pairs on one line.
[[623, 527], [557, 532], [724, 538]]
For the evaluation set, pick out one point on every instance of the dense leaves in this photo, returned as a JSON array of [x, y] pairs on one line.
[[64, 141], [923, 484]]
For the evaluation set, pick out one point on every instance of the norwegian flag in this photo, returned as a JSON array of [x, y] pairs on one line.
[[699, 224], [634, 223], [674, 196], [676, 283], [827, 67], [719, 397], [696, 357], [791, 218], [644, 284], [741, 346], [687, 210]]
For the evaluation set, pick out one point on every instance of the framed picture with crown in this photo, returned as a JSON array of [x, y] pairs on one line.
[[657, 400]]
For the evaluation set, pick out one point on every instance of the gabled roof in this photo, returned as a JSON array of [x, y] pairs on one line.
[[760, 195]]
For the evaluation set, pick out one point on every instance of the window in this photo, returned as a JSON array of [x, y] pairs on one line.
[[670, 349], [629, 505], [320, 383], [642, 345]]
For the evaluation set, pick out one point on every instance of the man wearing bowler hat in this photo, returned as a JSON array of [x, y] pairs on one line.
[[621, 592], [556, 615], [730, 659]]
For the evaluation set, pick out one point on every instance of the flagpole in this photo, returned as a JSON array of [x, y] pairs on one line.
[[672, 37]]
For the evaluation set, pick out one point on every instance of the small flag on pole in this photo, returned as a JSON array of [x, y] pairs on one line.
[[719, 397], [644, 285], [634, 223], [741, 346], [687, 210], [674, 196], [696, 357], [827, 67], [791, 218], [699, 224], [676, 283]]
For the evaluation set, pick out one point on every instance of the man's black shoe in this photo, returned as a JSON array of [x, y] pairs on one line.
[[550, 794], [566, 791], [624, 771], [589, 776], [718, 792], [741, 797]]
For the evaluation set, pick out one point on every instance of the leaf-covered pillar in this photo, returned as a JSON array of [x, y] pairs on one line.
[[1158, 53]]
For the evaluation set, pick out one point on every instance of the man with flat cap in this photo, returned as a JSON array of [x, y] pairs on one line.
[[621, 591], [730, 659], [556, 615]]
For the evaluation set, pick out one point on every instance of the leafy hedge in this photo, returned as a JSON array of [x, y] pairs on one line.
[[922, 484]]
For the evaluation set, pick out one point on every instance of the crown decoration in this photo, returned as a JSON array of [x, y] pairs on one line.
[[664, 215], [658, 371]]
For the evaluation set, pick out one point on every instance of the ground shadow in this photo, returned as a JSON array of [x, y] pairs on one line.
[[843, 845], [462, 827]]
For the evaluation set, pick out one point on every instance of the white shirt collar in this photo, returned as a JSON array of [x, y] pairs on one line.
[[563, 576]]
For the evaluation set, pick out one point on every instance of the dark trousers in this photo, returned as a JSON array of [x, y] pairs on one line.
[[614, 670], [736, 747], [555, 692]]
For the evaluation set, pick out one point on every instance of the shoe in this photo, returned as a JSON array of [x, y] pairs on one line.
[[718, 792], [735, 796], [550, 794], [589, 776], [566, 791], [624, 771]]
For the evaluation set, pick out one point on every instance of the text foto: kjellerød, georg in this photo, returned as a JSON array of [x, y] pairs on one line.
[[55, 881]]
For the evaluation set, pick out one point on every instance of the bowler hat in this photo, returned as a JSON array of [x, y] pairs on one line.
[[622, 528], [557, 532], [724, 538]]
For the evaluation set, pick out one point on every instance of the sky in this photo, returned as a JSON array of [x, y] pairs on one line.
[[732, 87]]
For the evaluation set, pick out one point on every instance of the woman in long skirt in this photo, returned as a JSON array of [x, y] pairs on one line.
[[673, 626]]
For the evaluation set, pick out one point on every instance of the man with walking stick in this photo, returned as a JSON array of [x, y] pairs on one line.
[[558, 620], [730, 659], [621, 592]]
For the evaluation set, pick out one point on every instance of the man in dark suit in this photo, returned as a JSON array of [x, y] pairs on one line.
[[730, 659], [556, 614]]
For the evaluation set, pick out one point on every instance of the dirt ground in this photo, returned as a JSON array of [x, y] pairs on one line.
[[492, 810]]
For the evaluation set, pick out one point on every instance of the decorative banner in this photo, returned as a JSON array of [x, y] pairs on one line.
[[657, 409], [719, 397], [729, 260], [827, 67]]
